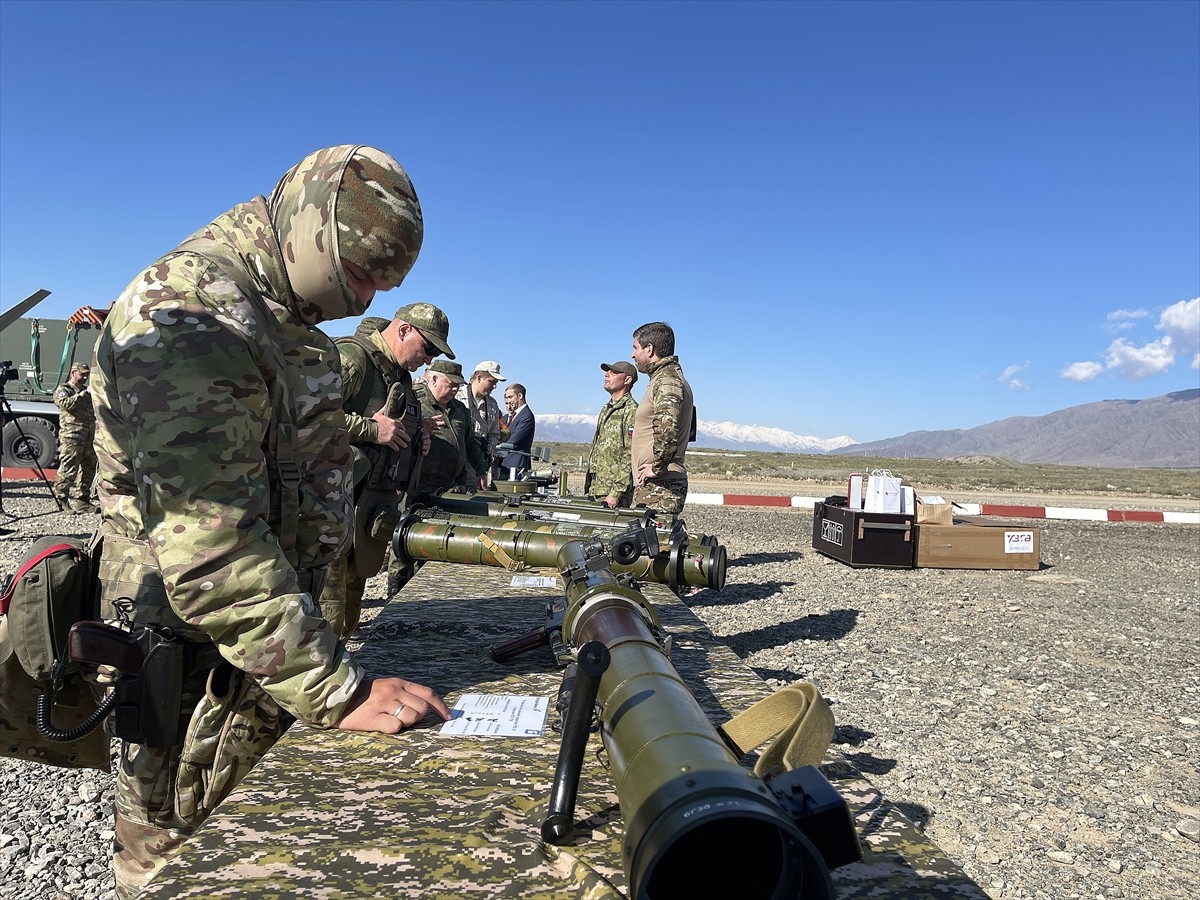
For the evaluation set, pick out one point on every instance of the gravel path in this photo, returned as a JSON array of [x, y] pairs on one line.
[[1043, 727]]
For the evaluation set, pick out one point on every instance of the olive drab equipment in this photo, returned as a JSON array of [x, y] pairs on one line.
[[48, 712], [381, 473]]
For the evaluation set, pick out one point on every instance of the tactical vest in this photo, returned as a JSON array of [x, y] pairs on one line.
[[385, 468]]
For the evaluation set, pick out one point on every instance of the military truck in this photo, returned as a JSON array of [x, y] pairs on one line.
[[35, 357]]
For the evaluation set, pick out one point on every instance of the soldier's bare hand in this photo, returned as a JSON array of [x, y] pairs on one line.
[[610, 501], [391, 432], [434, 423], [644, 473], [389, 705]]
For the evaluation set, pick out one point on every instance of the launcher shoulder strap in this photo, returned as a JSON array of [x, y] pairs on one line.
[[796, 720]]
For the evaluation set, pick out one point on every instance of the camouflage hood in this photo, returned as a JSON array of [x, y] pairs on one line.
[[347, 202]]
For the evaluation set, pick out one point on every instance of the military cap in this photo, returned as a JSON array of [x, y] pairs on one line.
[[451, 370], [430, 321], [621, 366], [492, 368], [81, 367]]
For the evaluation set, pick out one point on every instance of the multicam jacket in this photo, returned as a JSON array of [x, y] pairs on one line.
[[609, 470], [454, 459], [663, 420], [77, 419], [188, 370]]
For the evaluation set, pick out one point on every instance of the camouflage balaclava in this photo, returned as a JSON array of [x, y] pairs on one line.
[[347, 202]]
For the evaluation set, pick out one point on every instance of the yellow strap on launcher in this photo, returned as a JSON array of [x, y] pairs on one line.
[[796, 719]]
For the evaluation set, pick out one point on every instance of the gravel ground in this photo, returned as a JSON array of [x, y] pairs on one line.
[[1042, 727]]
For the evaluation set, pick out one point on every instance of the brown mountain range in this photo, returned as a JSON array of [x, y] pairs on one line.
[[1159, 432]]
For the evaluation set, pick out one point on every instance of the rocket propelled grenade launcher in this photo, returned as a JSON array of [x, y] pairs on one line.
[[430, 534], [685, 800], [561, 508]]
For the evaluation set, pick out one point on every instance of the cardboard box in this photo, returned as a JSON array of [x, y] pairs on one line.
[[934, 510], [978, 545], [861, 539]]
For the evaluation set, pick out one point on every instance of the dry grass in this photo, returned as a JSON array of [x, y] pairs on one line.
[[973, 473]]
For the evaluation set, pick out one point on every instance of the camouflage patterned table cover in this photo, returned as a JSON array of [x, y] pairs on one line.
[[333, 814]]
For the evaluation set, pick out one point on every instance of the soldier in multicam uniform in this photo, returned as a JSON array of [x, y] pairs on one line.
[[476, 396], [387, 444], [610, 473], [76, 433], [663, 422], [223, 481]]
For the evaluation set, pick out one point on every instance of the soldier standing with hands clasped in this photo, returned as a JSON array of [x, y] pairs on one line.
[[663, 422], [76, 432], [609, 475], [225, 478]]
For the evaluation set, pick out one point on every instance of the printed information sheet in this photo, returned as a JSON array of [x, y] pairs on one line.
[[534, 581], [499, 715]]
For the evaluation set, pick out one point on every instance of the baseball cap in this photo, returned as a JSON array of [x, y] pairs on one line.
[[625, 368], [451, 370], [430, 321], [492, 368], [81, 367]]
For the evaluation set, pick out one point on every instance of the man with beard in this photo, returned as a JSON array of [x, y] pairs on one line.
[[663, 422]]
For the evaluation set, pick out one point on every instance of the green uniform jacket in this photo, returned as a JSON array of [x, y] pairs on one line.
[[366, 380], [454, 459], [609, 465], [76, 419]]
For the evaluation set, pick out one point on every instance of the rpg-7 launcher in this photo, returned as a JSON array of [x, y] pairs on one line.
[[684, 798]]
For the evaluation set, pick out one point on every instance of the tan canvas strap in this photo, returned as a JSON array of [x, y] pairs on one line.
[[797, 721], [500, 555]]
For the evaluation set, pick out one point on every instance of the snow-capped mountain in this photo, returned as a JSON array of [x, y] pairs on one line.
[[578, 428]]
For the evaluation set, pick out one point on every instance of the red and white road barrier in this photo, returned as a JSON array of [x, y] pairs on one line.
[[971, 509], [966, 509]]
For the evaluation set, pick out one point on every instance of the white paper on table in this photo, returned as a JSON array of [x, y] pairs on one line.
[[534, 581], [497, 715]]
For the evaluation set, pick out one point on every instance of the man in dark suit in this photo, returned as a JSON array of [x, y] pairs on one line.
[[521, 423]]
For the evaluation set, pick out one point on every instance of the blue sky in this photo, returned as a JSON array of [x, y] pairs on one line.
[[860, 218]]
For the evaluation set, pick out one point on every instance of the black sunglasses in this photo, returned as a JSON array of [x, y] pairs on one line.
[[429, 348]]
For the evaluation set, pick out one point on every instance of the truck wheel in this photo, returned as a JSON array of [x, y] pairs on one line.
[[34, 442]]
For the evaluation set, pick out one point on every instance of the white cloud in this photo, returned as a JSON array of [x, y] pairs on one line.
[[1181, 322], [1009, 376], [1123, 319], [1082, 371], [1139, 362]]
